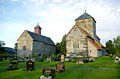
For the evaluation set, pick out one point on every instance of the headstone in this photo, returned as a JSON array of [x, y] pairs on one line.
[[1, 59], [13, 66], [60, 67], [40, 59], [48, 72], [62, 58], [117, 60], [30, 65], [48, 60]]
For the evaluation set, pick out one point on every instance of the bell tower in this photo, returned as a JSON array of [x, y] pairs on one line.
[[37, 29]]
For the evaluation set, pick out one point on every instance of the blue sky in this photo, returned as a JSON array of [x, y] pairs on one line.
[[56, 17]]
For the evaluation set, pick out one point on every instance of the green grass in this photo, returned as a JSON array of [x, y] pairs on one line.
[[102, 62]]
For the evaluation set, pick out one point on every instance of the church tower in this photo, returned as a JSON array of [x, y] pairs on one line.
[[37, 29], [87, 23]]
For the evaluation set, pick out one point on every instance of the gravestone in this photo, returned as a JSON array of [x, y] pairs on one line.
[[40, 59], [48, 60], [30, 65], [62, 58], [48, 73], [60, 67], [13, 66], [1, 59]]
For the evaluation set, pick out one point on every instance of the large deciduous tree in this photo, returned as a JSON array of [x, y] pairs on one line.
[[2, 43], [110, 47], [61, 47], [117, 45]]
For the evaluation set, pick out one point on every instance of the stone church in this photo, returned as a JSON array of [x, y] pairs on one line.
[[82, 41], [34, 44]]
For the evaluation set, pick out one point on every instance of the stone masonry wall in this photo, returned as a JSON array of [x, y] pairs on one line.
[[76, 36], [24, 45]]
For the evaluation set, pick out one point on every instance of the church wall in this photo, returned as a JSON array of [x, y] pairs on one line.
[[92, 50], [87, 25], [40, 48], [76, 36], [24, 45]]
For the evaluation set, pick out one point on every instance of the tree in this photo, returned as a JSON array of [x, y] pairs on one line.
[[58, 48], [2, 43], [117, 45], [63, 45], [110, 47], [16, 45]]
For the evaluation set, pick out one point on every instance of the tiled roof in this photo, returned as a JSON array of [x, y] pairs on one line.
[[37, 26], [84, 16], [41, 38]]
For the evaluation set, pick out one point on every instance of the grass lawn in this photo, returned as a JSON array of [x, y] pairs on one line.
[[102, 62]]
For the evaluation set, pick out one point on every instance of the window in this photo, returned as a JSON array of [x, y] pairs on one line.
[[90, 50], [75, 44], [24, 47]]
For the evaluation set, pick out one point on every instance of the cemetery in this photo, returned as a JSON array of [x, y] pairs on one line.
[[102, 68]]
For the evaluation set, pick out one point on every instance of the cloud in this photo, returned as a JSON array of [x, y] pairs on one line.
[[57, 17], [57, 0], [15, 0]]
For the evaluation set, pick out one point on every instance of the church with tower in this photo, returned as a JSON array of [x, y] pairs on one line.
[[82, 40], [35, 44]]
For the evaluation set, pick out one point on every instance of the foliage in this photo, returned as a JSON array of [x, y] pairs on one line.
[[110, 47], [61, 47], [2, 43], [16, 45], [117, 45]]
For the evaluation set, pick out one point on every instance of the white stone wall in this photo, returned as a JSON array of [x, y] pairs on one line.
[[76, 36], [24, 40], [92, 50], [88, 25]]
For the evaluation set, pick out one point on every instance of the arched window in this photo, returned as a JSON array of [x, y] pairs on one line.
[[75, 44]]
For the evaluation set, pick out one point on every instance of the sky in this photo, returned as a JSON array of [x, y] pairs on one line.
[[56, 17]]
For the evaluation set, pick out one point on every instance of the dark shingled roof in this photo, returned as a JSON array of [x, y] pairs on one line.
[[37, 26], [84, 16], [41, 38]]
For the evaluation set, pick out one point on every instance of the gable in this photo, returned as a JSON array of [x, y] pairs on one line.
[[75, 32], [24, 35]]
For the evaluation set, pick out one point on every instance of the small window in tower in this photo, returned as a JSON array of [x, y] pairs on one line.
[[24, 47], [90, 50], [83, 21]]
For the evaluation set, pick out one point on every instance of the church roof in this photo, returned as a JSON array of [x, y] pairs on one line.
[[84, 16], [37, 26], [41, 38], [96, 45]]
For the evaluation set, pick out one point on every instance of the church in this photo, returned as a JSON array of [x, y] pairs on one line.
[[82, 41], [35, 44]]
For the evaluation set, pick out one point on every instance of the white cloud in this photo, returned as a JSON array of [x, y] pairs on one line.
[[14, 0], [56, 0]]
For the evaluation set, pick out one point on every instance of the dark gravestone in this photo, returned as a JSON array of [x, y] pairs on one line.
[[60, 67], [1, 59], [30, 65], [13, 66], [48, 71]]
